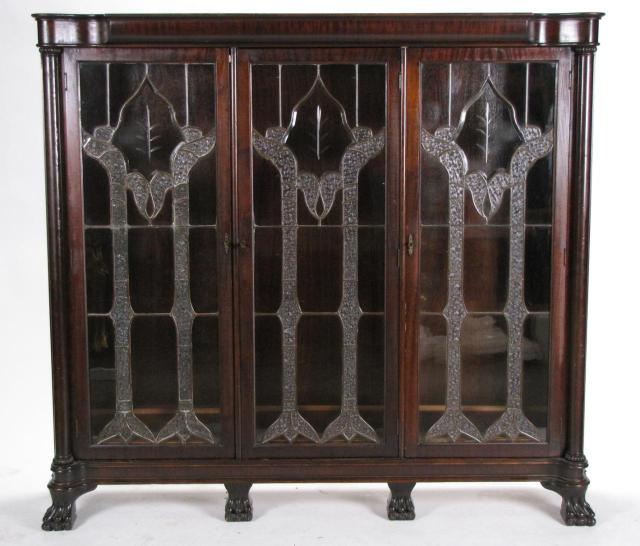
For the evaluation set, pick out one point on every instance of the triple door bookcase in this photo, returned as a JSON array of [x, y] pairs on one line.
[[318, 248]]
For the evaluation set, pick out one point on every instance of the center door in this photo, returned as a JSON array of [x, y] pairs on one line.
[[317, 194]]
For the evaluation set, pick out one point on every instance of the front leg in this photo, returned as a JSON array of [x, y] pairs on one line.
[[238, 506], [61, 515], [575, 510], [400, 506]]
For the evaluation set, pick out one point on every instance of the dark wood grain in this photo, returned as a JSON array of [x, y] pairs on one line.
[[257, 30], [579, 254]]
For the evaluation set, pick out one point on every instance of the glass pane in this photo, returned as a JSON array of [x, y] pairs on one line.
[[318, 175], [371, 370], [149, 173], [153, 367], [203, 269], [485, 250], [99, 270], [206, 373]]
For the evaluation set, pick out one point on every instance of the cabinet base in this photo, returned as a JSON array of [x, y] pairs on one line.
[[72, 478]]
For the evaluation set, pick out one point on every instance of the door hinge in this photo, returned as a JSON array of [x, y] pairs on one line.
[[64, 80], [400, 80]]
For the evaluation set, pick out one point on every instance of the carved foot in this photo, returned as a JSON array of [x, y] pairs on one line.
[[125, 425], [185, 424], [512, 423], [290, 424], [400, 506], [59, 518], [453, 424], [61, 515], [349, 424], [238, 506], [575, 510]]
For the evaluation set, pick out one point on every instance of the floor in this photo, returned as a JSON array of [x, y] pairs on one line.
[[323, 514]]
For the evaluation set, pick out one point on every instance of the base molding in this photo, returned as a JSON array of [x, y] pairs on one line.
[[73, 478]]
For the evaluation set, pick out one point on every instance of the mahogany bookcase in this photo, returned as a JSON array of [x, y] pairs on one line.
[[318, 248]]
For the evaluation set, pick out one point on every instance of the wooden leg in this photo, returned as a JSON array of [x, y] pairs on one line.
[[61, 515], [238, 506], [400, 505], [575, 510]]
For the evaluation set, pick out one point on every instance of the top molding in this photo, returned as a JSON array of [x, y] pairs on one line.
[[517, 29]]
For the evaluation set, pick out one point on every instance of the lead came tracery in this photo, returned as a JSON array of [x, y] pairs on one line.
[[486, 180], [338, 152], [150, 155]]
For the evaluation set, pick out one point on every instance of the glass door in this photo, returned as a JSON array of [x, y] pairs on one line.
[[152, 135], [487, 178], [317, 193]]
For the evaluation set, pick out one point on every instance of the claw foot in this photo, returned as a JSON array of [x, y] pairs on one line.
[[290, 424], [125, 425], [575, 510], [349, 424], [453, 424], [59, 517], [513, 423], [238, 506], [400, 506], [185, 424]]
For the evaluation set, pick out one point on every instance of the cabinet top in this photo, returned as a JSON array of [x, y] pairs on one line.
[[517, 29]]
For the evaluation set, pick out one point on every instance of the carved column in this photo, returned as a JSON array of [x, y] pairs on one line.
[[572, 486], [67, 481], [579, 252]]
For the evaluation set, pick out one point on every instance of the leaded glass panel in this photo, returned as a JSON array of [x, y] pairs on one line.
[[318, 138], [149, 186], [486, 187]]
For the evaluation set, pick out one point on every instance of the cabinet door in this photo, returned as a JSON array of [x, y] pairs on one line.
[[149, 194], [486, 200], [318, 148]]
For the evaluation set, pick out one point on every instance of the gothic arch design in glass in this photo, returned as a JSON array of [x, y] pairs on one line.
[[495, 157], [319, 153], [149, 154]]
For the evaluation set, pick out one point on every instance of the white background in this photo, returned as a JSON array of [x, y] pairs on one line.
[[492, 514]]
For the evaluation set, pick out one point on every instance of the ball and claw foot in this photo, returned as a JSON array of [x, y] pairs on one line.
[[400, 506], [238, 506], [575, 510], [59, 517]]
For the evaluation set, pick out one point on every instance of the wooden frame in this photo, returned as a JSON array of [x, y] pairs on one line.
[[568, 39]]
